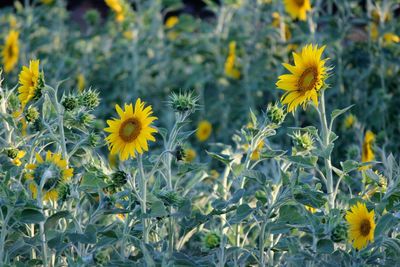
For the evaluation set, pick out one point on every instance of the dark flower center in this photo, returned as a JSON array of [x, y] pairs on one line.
[[130, 129], [365, 227], [308, 79]]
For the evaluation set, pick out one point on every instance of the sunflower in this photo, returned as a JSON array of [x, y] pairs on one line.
[[31, 81], [230, 63], [117, 7], [362, 225], [204, 130], [171, 22], [130, 133], [10, 51], [190, 155], [255, 155], [307, 77], [54, 169], [350, 121], [367, 154], [297, 9]]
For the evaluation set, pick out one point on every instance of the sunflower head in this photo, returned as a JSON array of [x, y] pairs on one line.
[[31, 82], [131, 132], [119, 9], [297, 9], [231, 69], [171, 22], [204, 130], [49, 174], [361, 225], [15, 155], [10, 52], [306, 78], [367, 153]]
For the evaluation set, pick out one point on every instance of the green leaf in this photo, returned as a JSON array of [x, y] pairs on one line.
[[257, 175], [349, 165], [242, 212], [385, 223], [52, 221], [91, 181], [325, 246], [158, 209], [302, 161], [225, 160], [32, 216], [337, 112]]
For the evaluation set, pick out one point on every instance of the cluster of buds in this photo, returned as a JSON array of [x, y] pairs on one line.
[[88, 99]]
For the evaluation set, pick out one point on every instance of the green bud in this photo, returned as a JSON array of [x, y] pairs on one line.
[[119, 178], [85, 119], [179, 153], [12, 153], [70, 103], [13, 102], [211, 240], [339, 233], [183, 102], [276, 114], [32, 114], [94, 139], [171, 198], [63, 191], [92, 17], [303, 142], [90, 99]]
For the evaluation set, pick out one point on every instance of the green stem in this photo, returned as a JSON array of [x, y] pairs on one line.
[[143, 193], [326, 140]]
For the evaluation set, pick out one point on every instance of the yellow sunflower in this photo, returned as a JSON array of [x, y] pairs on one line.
[[117, 7], [307, 77], [17, 160], [349, 121], [204, 130], [54, 169], [367, 153], [230, 63], [190, 155], [10, 51], [362, 225], [297, 9], [130, 133], [171, 22], [31, 82]]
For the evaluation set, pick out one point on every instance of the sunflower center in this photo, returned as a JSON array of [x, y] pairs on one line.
[[365, 227], [130, 130], [10, 51], [299, 2], [308, 79]]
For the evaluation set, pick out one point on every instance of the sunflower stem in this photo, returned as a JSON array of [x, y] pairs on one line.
[[326, 140], [143, 193]]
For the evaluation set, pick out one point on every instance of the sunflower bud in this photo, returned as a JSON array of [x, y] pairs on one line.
[[90, 99], [303, 142], [92, 17], [32, 114], [93, 139], [12, 153], [276, 114], [63, 191], [211, 240], [85, 119], [179, 153], [171, 198], [339, 233], [13, 102], [119, 178], [70, 103], [183, 102]]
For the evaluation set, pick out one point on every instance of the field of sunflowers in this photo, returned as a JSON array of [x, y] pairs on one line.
[[238, 133]]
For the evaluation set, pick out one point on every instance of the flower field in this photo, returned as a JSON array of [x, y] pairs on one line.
[[200, 133]]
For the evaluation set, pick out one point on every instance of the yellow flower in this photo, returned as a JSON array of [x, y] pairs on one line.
[[230, 69], [129, 134], [307, 77], [310, 209], [29, 79], [10, 51], [113, 160], [17, 160], [297, 9], [390, 38], [171, 22], [257, 152], [204, 129], [117, 7], [367, 154], [362, 225], [349, 121], [190, 154], [81, 82], [54, 169], [374, 31]]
